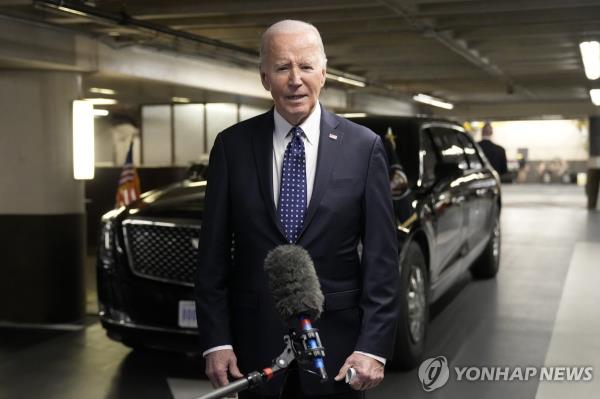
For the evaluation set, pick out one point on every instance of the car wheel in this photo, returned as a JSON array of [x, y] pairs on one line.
[[413, 311], [487, 264]]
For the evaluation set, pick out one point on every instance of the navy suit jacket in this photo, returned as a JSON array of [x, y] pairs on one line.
[[350, 203]]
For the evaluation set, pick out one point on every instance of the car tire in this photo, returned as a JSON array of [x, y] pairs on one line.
[[413, 310], [487, 264]]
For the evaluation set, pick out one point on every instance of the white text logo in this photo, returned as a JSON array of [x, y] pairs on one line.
[[434, 373]]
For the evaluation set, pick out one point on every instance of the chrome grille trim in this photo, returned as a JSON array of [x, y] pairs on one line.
[[162, 250], [188, 331]]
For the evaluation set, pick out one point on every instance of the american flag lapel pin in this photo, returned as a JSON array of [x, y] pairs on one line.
[[333, 136]]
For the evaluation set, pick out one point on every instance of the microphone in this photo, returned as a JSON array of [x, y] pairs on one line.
[[293, 282]]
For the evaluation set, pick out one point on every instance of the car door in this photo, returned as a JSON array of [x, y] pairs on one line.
[[482, 195], [448, 198]]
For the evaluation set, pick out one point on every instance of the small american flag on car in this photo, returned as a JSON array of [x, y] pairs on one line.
[[129, 182]]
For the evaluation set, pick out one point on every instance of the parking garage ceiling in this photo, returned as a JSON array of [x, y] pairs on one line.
[[469, 52]]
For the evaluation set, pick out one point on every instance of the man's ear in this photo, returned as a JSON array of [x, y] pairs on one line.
[[324, 77], [265, 80]]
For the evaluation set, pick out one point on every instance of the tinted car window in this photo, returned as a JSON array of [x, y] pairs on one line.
[[429, 157], [451, 150], [470, 151], [403, 132]]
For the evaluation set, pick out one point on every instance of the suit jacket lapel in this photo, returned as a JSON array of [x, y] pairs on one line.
[[326, 157], [262, 143]]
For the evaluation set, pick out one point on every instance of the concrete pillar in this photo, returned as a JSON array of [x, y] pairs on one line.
[[42, 222], [593, 180]]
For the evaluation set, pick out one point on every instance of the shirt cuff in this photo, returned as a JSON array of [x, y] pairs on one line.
[[378, 358], [218, 348]]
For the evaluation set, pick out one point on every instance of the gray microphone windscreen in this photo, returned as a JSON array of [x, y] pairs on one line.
[[293, 283]]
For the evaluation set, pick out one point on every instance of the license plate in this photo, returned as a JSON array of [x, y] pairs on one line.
[[187, 314]]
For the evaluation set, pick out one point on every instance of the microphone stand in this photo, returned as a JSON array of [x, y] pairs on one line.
[[296, 348]]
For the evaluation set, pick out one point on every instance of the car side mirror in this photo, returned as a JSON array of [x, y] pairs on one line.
[[197, 172], [444, 170], [398, 183]]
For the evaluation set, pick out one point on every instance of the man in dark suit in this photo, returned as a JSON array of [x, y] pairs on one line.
[[336, 173], [494, 152]]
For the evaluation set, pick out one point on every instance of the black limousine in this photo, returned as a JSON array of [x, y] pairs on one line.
[[447, 201]]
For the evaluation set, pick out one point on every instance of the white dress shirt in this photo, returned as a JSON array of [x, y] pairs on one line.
[[281, 137]]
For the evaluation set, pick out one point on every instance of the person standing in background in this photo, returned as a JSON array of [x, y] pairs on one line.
[[495, 153]]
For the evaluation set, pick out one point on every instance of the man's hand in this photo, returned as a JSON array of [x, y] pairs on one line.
[[218, 363], [369, 372]]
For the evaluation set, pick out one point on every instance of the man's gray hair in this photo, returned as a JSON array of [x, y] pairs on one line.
[[292, 26]]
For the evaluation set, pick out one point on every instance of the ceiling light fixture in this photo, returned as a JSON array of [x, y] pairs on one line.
[[182, 100], [99, 90], [353, 81], [354, 115], [101, 112], [595, 95], [429, 100], [590, 54], [101, 101], [68, 10]]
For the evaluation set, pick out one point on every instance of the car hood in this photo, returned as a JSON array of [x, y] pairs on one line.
[[183, 200]]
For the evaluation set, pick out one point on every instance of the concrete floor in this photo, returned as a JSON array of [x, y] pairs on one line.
[[541, 310]]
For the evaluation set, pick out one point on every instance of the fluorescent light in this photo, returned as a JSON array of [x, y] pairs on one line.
[[101, 101], [101, 112], [346, 80], [595, 95], [436, 102], [69, 10], [83, 140], [590, 54], [99, 90], [354, 115], [351, 81], [183, 100]]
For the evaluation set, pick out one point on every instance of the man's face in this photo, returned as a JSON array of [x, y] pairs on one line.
[[293, 73]]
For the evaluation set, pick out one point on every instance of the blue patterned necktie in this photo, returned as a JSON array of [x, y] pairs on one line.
[[292, 192]]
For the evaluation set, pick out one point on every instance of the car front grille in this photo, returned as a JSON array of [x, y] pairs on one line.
[[162, 250]]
